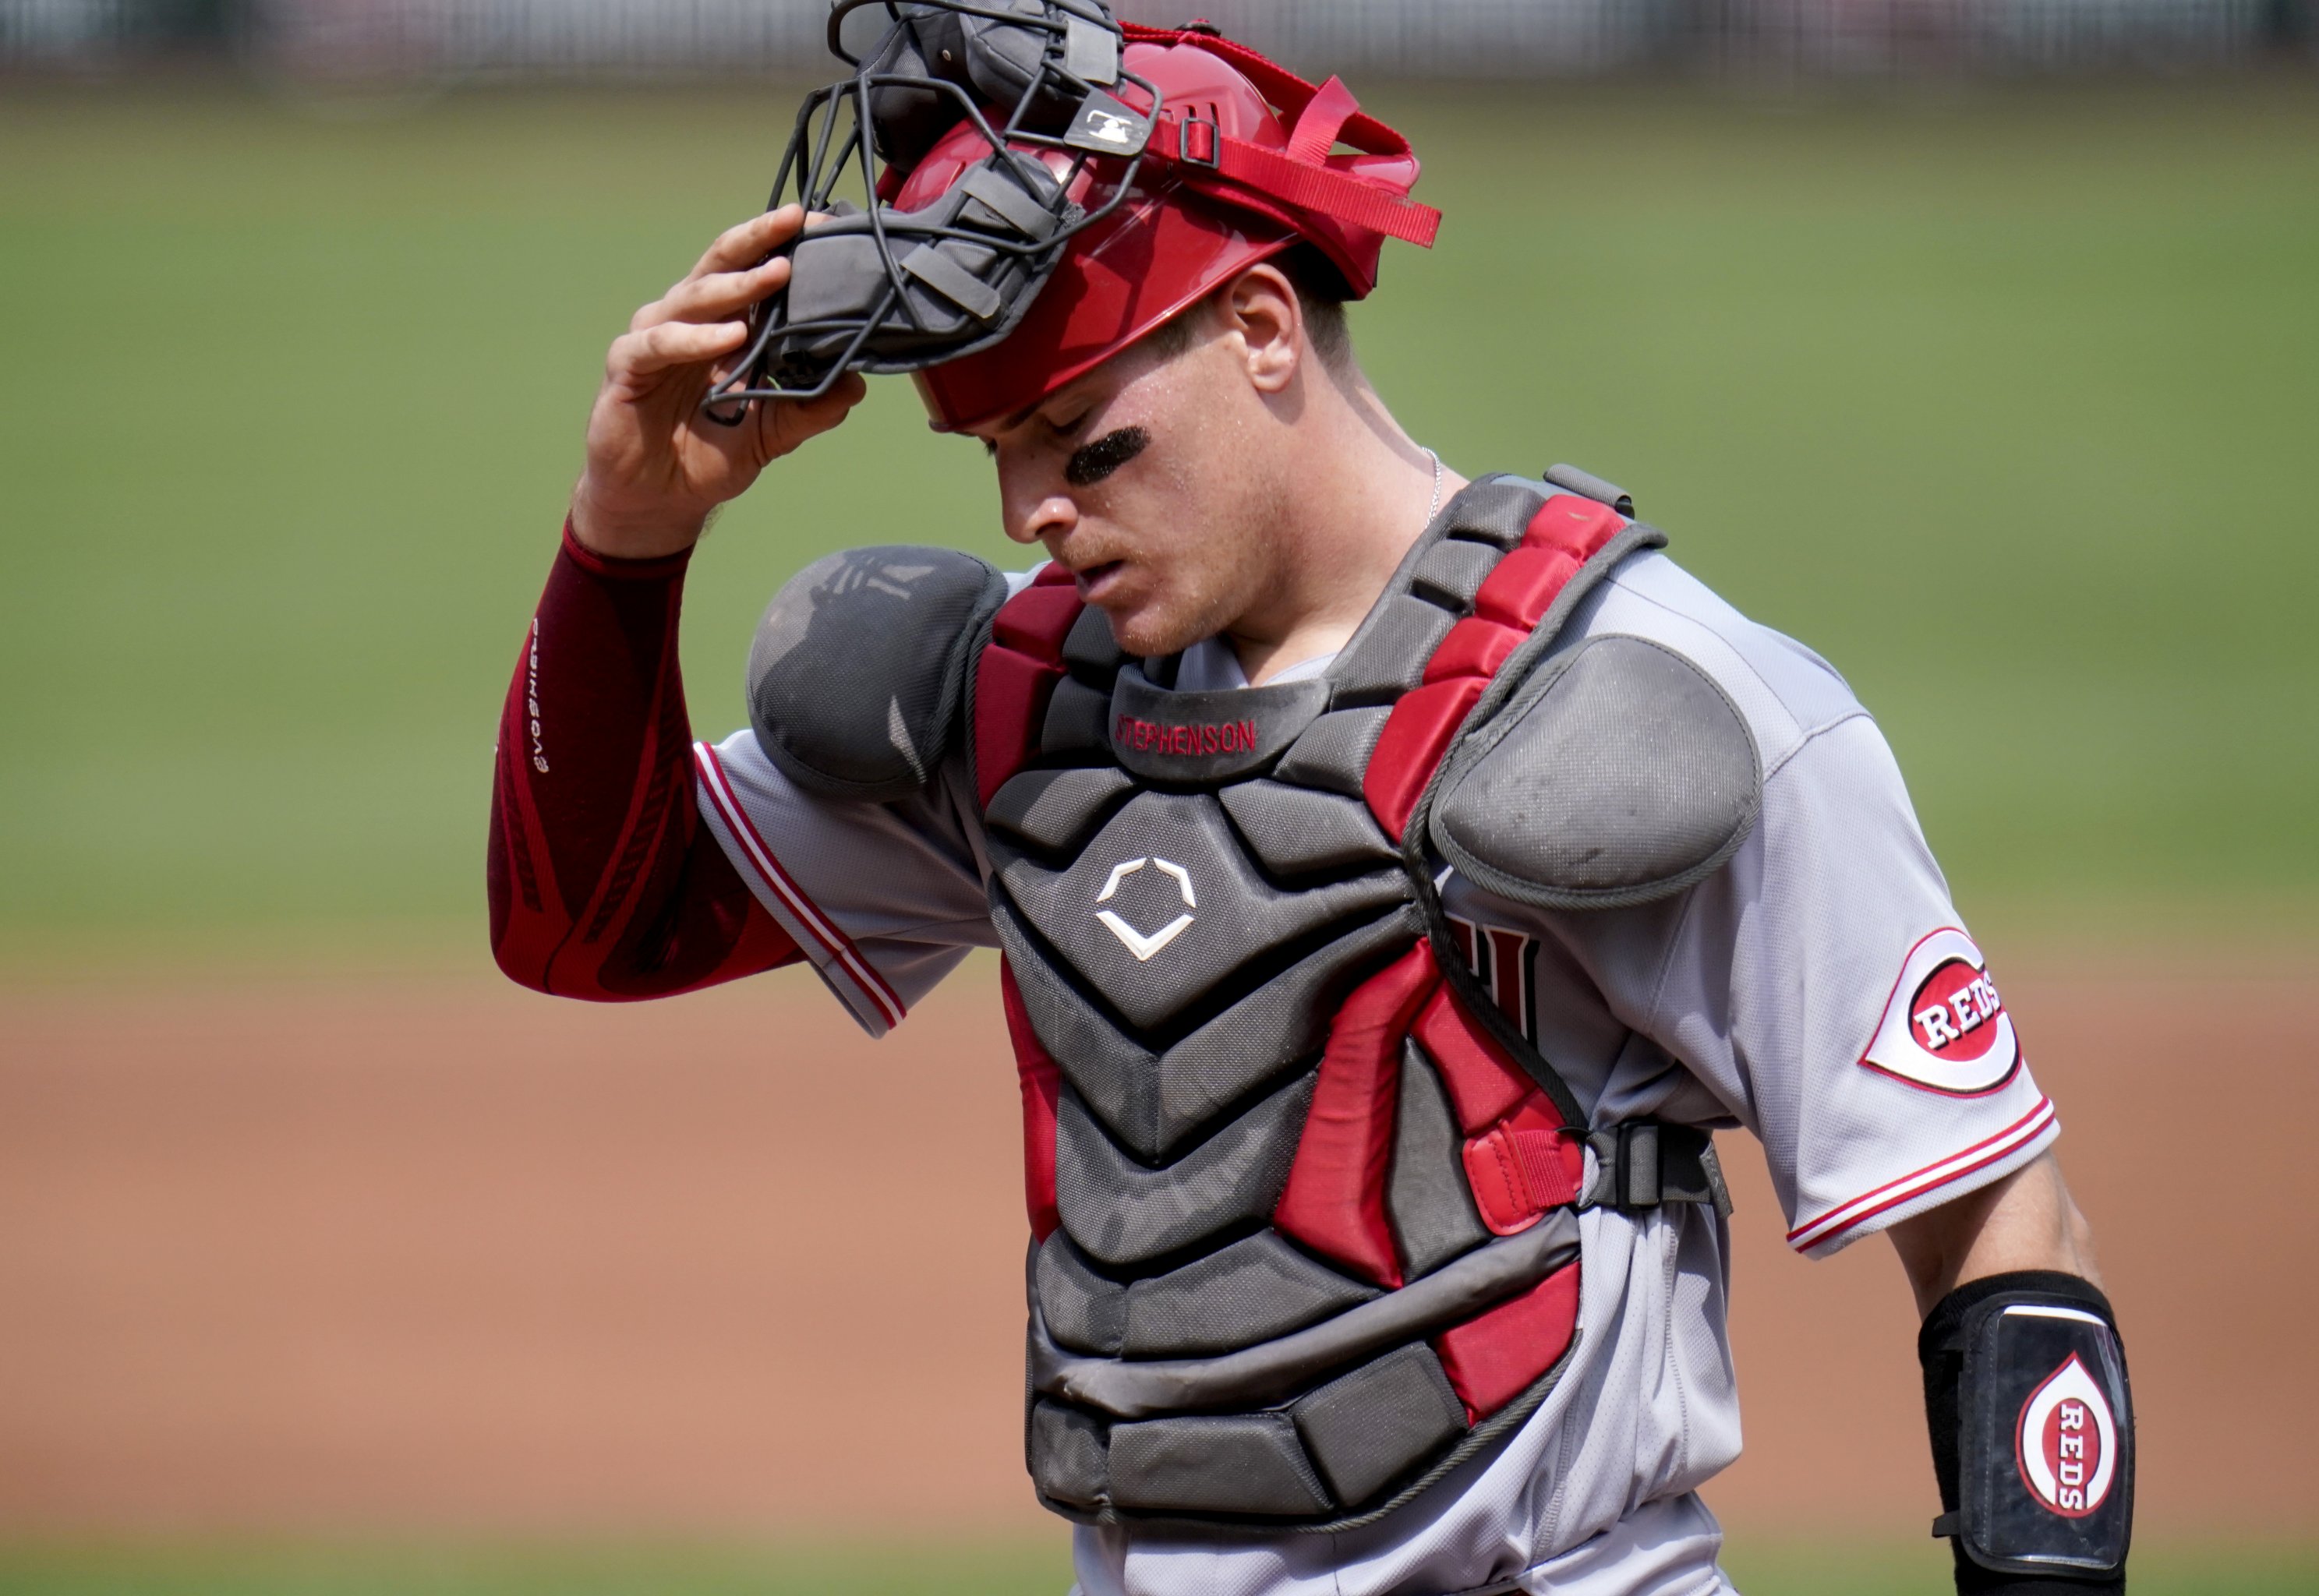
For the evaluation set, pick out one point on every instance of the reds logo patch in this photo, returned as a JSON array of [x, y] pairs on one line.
[[2066, 1442], [1945, 1026]]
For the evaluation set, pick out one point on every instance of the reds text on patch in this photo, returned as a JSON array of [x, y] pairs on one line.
[[1944, 1025], [2066, 1442]]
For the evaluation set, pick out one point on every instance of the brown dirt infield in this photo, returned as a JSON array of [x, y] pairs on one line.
[[318, 1254]]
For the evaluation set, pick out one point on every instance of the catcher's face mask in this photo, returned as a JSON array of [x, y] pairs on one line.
[[877, 288]]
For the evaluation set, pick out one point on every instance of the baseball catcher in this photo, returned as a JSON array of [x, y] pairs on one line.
[[1398, 878]]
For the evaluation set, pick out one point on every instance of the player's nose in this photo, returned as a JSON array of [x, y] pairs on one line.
[[1050, 518]]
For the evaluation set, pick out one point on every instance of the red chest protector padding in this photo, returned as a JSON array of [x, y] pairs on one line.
[[1016, 676], [1518, 1164], [1566, 532], [1522, 1160]]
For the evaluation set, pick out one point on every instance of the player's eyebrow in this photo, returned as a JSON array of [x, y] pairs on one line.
[[1091, 462]]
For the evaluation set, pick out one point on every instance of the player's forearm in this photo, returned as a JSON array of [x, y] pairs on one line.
[[603, 883], [2026, 1220], [2026, 1398]]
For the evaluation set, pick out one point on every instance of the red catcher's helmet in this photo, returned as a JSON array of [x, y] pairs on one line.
[[1238, 169], [1042, 185]]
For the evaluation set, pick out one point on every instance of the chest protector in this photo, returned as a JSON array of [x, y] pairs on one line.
[[1303, 1200]]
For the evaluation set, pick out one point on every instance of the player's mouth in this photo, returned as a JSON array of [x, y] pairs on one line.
[[1095, 580]]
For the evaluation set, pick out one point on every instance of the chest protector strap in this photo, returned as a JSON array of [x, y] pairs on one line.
[[1303, 1200]]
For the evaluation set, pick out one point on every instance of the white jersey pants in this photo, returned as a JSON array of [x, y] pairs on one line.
[[1662, 1549]]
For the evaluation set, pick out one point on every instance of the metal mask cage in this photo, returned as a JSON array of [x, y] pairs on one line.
[[1010, 210]]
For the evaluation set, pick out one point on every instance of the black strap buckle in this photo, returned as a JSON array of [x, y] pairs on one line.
[[1215, 140], [1645, 1164]]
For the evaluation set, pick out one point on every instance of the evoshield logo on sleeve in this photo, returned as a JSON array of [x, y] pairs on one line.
[[1944, 1025], [2066, 1442], [531, 703]]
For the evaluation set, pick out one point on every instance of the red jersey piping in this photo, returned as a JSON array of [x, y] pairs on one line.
[[1846, 1216], [842, 952]]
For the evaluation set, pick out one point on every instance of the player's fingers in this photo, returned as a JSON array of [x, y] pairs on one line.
[[784, 426], [830, 409], [672, 343], [716, 296], [745, 244]]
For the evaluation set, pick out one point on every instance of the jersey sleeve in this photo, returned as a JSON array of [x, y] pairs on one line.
[[885, 899], [602, 882], [1823, 987]]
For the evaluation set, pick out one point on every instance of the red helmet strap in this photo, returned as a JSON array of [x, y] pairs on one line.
[[1267, 175], [1275, 82], [1323, 119], [1233, 170]]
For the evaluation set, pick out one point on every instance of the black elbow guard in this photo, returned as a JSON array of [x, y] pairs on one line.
[[2033, 1434]]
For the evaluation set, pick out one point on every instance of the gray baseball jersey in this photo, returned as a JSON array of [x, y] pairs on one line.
[[1818, 990]]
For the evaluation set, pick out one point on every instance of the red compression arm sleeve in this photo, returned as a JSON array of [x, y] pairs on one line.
[[604, 883]]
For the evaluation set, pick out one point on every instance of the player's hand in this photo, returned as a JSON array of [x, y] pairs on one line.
[[657, 465]]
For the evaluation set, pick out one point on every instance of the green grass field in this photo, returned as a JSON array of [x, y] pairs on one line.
[[974, 1568], [2005, 403]]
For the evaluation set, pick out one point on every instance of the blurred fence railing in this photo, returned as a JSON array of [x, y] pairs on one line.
[[1373, 38]]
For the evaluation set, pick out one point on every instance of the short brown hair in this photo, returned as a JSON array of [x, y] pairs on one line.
[[1319, 296]]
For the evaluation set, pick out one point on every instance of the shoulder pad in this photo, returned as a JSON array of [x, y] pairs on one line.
[[1617, 774], [859, 667]]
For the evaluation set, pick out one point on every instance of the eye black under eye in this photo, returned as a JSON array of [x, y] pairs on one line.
[[1091, 462]]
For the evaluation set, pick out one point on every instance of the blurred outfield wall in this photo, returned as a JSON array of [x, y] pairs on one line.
[[1399, 38]]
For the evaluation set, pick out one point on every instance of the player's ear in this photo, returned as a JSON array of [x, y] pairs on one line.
[[1260, 308]]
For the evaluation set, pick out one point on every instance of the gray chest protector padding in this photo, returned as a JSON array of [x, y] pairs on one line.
[[1617, 774], [857, 677]]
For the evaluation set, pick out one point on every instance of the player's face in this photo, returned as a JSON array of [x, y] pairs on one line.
[[1155, 482]]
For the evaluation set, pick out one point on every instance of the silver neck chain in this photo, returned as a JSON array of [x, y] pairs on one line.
[[1433, 505]]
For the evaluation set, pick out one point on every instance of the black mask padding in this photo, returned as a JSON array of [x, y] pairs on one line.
[[951, 286], [1003, 57], [905, 121], [994, 60]]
